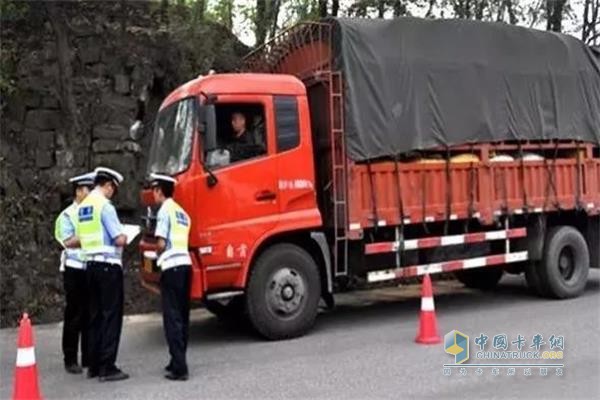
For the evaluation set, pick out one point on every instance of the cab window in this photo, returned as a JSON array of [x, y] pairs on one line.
[[171, 150], [241, 134], [286, 122]]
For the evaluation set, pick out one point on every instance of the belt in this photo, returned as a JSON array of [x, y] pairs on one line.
[[104, 259], [171, 253], [74, 264], [175, 261]]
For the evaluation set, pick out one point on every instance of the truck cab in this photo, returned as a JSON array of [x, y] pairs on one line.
[[241, 193]]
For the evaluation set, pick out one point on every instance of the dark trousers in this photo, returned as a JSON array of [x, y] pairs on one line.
[[105, 283], [175, 295], [76, 316]]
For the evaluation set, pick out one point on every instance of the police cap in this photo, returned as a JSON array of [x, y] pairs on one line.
[[111, 174], [84, 179], [157, 179]]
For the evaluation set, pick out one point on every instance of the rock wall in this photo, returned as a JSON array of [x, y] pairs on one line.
[[73, 75]]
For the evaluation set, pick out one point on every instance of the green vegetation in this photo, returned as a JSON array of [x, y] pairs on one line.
[[262, 19]]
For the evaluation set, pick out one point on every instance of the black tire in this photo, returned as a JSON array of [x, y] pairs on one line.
[[532, 276], [485, 278], [283, 292], [566, 263], [232, 311]]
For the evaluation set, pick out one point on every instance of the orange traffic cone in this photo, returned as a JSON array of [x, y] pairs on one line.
[[26, 377], [427, 322]]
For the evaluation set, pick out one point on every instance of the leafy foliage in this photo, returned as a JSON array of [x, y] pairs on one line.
[[262, 19]]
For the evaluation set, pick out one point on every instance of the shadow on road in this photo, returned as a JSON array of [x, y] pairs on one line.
[[510, 291], [386, 309]]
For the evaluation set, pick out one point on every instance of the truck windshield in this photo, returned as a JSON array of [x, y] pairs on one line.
[[173, 136]]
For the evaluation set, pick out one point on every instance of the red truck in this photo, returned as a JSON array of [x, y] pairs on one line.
[[320, 202]]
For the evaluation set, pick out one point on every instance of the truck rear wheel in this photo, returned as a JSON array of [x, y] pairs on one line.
[[532, 277], [283, 292], [566, 263], [481, 278]]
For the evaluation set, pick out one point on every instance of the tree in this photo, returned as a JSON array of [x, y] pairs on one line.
[[359, 8], [510, 11], [223, 12], [381, 8], [199, 9], [462, 8], [364, 8], [432, 4], [276, 6], [399, 7], [323, 8], [590, 32], [554, 14], [265, 19], [480, 8], [335, 7], [260, 20], [507, 7]]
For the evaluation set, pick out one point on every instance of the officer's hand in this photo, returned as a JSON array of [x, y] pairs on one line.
[[121, 241], [72, 243], [161, 245]]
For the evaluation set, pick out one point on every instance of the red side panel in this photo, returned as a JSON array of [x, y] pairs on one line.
[[480, 189], [198, 279]]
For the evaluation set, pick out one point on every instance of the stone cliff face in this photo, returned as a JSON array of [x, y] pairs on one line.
[[77, 72]]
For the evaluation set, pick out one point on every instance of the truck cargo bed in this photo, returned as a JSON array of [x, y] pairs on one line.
[[428, 192]]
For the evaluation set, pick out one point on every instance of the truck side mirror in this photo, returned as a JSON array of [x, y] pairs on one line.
[[136, 130], [209, 122]]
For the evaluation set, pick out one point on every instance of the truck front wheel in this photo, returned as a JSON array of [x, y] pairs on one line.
[[283, 292], [566, 263]]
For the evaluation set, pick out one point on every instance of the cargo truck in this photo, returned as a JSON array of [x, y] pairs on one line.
[[383, 151]]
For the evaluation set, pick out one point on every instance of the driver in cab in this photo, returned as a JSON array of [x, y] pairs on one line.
[[244, 143]]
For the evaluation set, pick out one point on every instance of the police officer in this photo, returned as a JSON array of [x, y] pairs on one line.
[[73, 268], [172, 230], [102, 239]]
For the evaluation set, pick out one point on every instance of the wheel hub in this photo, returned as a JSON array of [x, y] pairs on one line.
[[286, 292], [566, 263]]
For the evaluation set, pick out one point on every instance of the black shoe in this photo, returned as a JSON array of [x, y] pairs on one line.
[[73, 369], [117, 375], [92, 374], [172, 376], [168, 368]]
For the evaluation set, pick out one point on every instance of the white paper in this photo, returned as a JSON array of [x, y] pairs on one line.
[[63, 260], [131, 231]]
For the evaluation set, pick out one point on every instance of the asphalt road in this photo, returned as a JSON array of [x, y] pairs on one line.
[[364, 349]]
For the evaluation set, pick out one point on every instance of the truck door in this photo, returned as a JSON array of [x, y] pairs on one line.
[[244, 204], [296, 180]]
